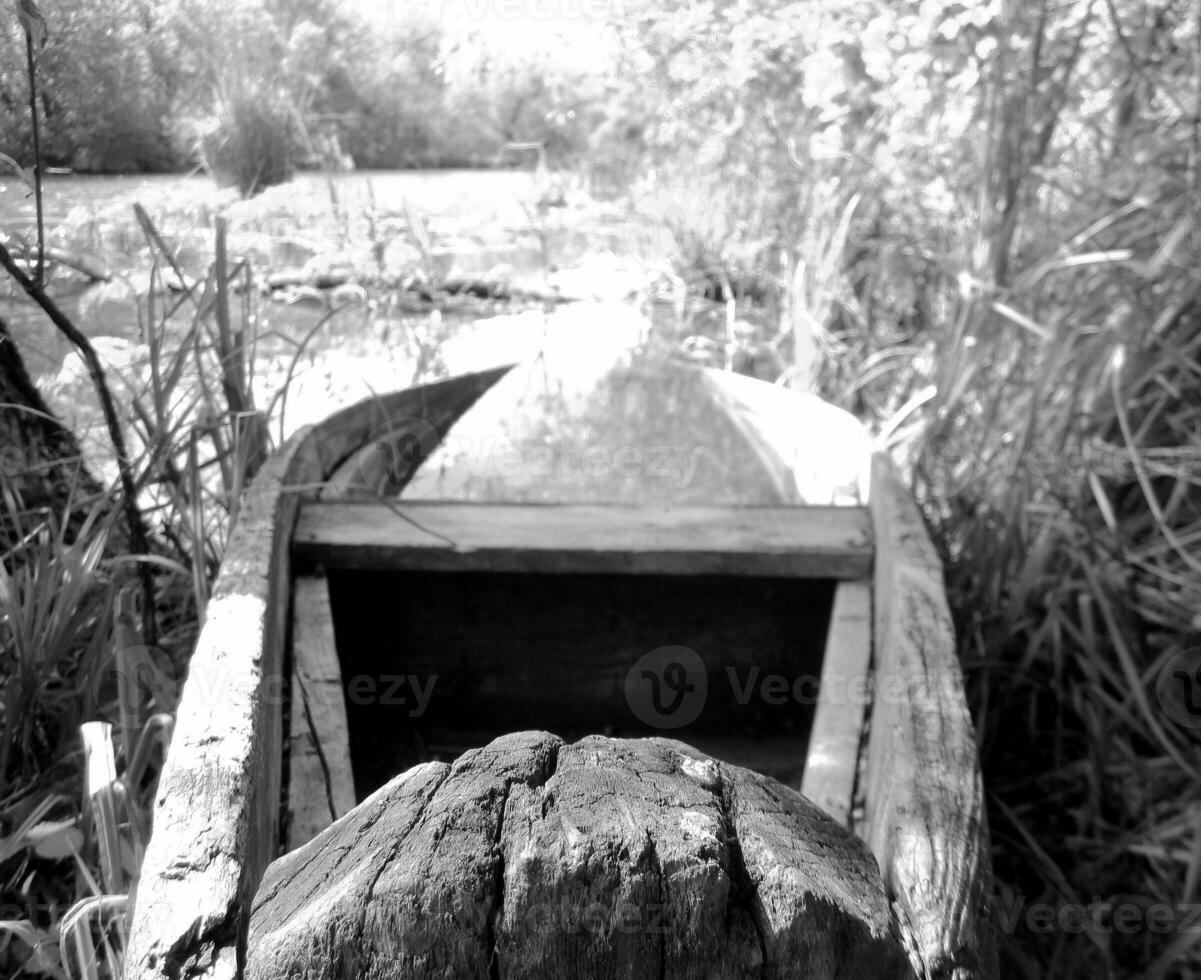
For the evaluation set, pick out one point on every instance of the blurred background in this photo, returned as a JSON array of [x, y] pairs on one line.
[[975, 226]]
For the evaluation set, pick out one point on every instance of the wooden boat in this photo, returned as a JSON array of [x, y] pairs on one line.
[[528, 541]]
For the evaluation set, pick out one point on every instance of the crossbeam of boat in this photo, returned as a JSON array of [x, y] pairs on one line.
[[792, 542]]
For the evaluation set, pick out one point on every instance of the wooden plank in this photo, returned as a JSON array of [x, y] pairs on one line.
[[216, 817], [823, 450], [924, 802], [398, 444], [321, 781], [795, 542], [833, 757], [392, 437]]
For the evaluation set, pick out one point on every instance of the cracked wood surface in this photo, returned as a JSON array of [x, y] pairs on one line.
[[216, 816], [924, 813], [321, 780], [604, 858]]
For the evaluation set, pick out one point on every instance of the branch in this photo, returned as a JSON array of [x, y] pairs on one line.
[[37, 156], [138, 538]]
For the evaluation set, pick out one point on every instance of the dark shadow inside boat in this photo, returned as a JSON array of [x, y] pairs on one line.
[[435, 663]]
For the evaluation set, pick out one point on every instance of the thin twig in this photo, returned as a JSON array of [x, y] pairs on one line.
[[39, 269]]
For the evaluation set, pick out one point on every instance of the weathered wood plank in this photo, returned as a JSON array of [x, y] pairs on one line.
[[429, 409], [321, 780], [820, 449], [833, 756], [216, 817], [395, 449], [924, 803], [605, 858], [795, 542]]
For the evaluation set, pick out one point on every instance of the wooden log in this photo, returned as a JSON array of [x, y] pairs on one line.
[[834, 741], [794, 542], [216, 817], [216, 814], [321, 781], [924, 812], [605, 858]]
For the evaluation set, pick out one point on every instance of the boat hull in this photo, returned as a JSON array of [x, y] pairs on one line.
[[898, 768]]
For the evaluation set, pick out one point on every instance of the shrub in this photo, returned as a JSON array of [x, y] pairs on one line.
[[254, 144]]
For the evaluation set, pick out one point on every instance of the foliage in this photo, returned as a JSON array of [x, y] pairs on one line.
[[1012, 302], [67, 657], [132, 86], [105, 100], [976, 225], [252, 145]]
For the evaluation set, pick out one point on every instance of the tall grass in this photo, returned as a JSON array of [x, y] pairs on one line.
[[70, 640], [1061, 463]]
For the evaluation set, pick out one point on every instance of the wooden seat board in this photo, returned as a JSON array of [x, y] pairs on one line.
[[796, 542]]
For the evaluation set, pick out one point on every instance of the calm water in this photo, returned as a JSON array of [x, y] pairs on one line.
[[446, 221]]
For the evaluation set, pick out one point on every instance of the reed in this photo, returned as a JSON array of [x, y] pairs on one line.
[[72, 644], [253, 144]]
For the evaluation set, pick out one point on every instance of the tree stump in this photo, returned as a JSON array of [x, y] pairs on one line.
[[533, 858]]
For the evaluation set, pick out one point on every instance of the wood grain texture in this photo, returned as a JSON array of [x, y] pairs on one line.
[[821, 450], [395, 448], [834, 739], [216, 816], [321, 781], [924, 803], [794, 542], [605, 858]]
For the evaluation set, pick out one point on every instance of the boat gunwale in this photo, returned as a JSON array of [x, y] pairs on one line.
[[217, 808], [191, 909]]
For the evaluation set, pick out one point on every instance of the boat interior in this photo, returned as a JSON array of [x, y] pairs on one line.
[[625, 548]]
